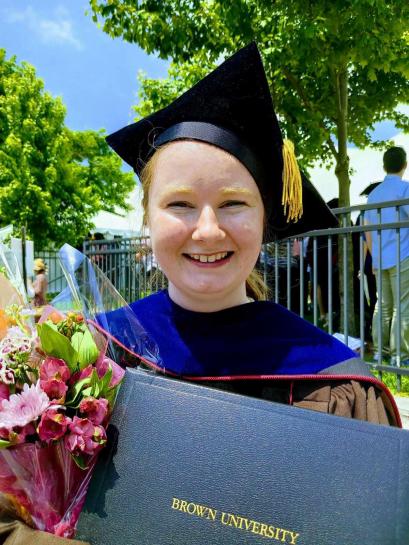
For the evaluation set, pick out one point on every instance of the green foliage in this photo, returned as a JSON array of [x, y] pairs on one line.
[[56, 344], [52, 180], [335, 67]]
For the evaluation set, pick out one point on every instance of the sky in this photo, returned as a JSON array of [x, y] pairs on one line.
[[94, 74], [96, 77]]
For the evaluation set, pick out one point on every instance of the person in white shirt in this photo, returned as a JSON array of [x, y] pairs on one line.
[[384, 256]]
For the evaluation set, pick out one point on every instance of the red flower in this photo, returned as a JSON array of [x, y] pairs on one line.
[[54, 388], [54, 368], [53, 425], [4, 391], [94, 409], [84, 437], [79, 375]]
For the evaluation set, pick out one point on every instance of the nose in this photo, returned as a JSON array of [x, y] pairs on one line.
[[207, 227]]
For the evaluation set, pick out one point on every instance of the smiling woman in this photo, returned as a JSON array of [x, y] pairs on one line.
[[207, 229], [218, 180]]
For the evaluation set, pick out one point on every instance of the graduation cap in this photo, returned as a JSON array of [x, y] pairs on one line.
[[232, 108], [369, 188]]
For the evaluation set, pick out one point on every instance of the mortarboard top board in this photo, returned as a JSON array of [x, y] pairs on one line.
[[369, 188], [232, 108]]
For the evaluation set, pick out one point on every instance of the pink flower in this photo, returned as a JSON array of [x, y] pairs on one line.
[[54, 388], [54, 368], [79, 375], [117, 371], [84, 437], [94, 409], [53, 425], [18, 435], [23, 408], [6, 373], [4, 391]]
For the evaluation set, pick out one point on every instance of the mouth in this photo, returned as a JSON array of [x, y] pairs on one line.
[[219, 257]]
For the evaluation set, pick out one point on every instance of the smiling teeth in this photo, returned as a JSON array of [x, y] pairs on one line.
[[208, 258]]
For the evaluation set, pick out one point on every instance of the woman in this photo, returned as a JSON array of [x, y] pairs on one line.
[[211, 165], [218, 180], [40, 284]]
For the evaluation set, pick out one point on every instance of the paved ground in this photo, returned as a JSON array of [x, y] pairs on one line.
[[403, 406]]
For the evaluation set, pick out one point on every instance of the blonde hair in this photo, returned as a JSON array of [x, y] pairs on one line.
[[255, 286]]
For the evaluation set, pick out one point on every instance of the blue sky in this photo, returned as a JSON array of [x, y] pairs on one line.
[[94, 74]]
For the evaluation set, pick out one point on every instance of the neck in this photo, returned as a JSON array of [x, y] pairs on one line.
[[207, 302], [399, 174]]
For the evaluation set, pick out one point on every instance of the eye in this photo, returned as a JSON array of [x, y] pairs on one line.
[[179, 204], [230, 204]]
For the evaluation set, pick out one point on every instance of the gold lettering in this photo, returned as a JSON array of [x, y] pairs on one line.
[[223, 518], [234, 521], [211, 513], [191, 508], [271, 531], [294, 537], [284, 538], [200, 510], [256, 528], [247, 523], [263, 530]]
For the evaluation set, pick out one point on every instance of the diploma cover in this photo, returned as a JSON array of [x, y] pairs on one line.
[[189, 465]]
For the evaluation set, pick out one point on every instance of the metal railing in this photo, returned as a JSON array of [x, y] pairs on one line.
[[308, 274], [129, 265], [321, 261], [55, 275]]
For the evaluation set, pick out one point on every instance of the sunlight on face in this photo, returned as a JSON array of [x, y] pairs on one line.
[[206, 224]]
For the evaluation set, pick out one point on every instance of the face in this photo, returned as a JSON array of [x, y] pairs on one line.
[[205, 217]]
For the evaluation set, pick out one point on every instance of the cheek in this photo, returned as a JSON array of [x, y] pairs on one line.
[[166, 231], [250, 231]]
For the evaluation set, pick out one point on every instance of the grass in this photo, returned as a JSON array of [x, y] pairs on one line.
[[390, 379]]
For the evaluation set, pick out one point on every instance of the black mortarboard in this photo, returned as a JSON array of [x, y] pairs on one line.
[[369, 188], [232, 109]]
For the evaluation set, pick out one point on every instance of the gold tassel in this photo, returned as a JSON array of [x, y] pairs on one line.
[[292, 184]]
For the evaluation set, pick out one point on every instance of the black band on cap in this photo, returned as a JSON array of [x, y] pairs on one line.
[[222, 138]]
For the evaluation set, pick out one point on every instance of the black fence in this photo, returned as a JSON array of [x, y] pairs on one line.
[[309, 274]]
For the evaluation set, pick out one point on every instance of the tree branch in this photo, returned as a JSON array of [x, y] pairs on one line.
[[305, 100]]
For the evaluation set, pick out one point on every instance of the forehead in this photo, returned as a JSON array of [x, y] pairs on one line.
[[190, 162]]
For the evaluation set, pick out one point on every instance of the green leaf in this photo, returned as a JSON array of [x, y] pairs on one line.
[[76, 392], [79, 460], [105, 381], [4, 443], [86, 348], [55, 344]]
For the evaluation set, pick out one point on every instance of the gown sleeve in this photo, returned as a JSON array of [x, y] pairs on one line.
[[350, 399], [13, 532]]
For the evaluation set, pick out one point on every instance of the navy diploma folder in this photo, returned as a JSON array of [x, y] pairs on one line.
[[189, 465]]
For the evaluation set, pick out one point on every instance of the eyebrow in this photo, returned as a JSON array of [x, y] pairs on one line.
[[225, 191]]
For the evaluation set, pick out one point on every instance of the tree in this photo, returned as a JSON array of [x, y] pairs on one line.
[[335, 67], [52, 180]]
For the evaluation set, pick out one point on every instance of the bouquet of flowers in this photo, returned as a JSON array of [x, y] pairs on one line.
[[57, 391]]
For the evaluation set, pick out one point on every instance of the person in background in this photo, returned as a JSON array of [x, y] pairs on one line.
[[40, 283], [384, 257]]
